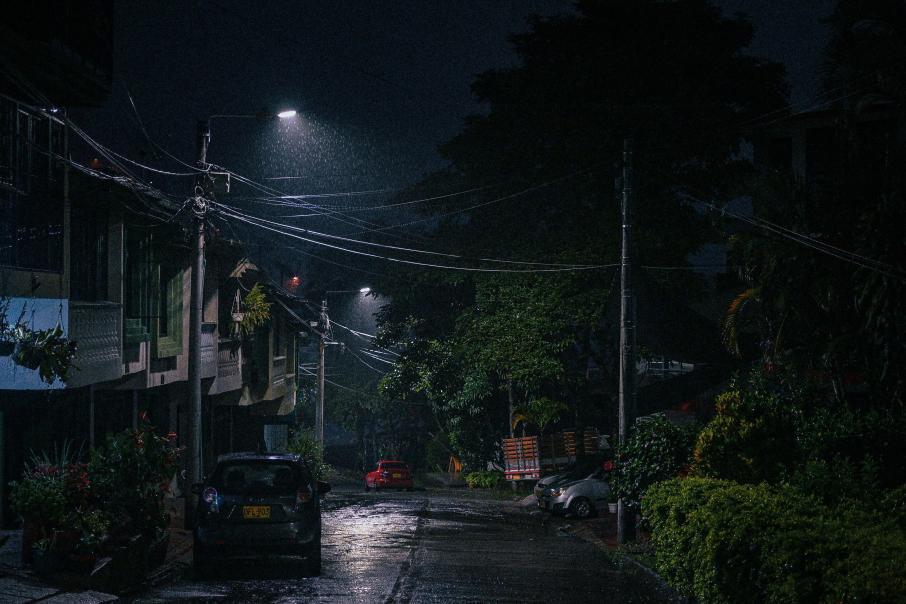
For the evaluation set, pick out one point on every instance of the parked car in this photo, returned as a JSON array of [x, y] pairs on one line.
[[257, 505], [389, 474], [582, 497], [574, 471]]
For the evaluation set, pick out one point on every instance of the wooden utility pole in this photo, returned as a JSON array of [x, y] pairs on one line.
[[319, 410], [625, 517], [195, 465]]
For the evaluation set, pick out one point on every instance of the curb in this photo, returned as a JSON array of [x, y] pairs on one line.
[[662, 585]]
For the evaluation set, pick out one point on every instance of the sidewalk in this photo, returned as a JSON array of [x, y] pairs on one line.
[[19, 583]]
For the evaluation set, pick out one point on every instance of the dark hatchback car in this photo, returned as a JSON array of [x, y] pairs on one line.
[[259, 505]]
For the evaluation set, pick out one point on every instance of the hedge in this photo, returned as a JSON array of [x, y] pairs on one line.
[[725, 542]]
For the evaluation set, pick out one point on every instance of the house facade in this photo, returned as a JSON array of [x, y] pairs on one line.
[[84, 247]]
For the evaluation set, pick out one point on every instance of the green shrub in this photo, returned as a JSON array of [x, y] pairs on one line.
[[655, 450], [483, 479], [306, 445], [725, 542]]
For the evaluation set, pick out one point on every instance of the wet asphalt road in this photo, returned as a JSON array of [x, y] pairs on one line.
[[425, 547]]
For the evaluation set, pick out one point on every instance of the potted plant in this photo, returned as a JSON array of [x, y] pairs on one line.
[[257, 311], [40, 498]]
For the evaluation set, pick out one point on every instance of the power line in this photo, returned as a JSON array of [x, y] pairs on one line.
[[413, 262], [399, 248]]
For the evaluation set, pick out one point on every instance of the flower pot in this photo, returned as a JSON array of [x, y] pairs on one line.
[[66, 540], [31, 532], [157, 554], [45, 561], [612, 508], [80, 563], [26, 355]]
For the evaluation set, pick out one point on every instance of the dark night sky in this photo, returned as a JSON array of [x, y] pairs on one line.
[[378, 84]]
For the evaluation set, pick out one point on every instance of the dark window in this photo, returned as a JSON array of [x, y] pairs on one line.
[[88, 257], [137, 287], [31, 188]]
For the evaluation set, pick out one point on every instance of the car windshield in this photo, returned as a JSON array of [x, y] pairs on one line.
[[256, 477], [582, 470], [397, 465]]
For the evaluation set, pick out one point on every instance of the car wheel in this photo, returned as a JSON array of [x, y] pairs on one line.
[[581, 508], [313, 560]]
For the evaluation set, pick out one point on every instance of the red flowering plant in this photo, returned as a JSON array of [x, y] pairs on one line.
[[130, 475]]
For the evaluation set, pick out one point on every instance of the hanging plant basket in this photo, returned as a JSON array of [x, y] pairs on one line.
[[26, 355]]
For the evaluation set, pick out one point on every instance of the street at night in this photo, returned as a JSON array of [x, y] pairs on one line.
[[453, 301], [427, 546]]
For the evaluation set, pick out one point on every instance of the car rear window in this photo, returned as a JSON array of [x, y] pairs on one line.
[[398, 465], [251, 477]]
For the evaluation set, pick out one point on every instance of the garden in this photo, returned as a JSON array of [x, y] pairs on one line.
[[99, 522]]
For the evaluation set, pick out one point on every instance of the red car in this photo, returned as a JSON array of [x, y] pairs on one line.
[[389, 475]]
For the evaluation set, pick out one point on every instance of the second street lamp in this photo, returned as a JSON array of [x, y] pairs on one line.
[[200, 198], [326, 340]]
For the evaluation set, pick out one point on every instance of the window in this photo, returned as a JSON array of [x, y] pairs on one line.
[[137, 287], [31, 188], [88, 251], [167, 295]]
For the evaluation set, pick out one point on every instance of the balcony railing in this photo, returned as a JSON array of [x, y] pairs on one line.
[[278, 371], [229, 367], [209, 351], [95, 327]]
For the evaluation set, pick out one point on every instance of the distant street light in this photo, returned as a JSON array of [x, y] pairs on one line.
[[288, 113], [326, 339]]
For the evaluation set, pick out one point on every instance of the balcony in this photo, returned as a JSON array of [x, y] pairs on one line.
[[209, 350], [229, 367], [278, 372], [95, 326]]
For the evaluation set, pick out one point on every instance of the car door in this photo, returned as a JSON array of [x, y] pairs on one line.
[[600, 488]]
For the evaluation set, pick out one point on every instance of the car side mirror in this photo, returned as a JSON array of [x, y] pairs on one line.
[[196, 488], [323, 487]]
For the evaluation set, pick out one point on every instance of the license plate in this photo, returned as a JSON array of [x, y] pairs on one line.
[[259, 512], [397, 475]]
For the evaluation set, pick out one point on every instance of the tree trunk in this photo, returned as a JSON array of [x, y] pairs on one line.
[[509, 391]]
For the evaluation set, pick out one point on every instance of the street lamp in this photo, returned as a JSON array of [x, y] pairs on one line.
[[327, 339], [202, 190]]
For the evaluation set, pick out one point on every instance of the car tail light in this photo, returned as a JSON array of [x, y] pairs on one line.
[[209, 496], [303, 495]]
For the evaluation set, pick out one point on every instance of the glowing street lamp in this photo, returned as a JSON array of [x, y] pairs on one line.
[[287, 114]]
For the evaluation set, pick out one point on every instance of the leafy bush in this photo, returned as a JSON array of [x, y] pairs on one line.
[[655, 450], [752, 437], [725, 542], [483, 479], [770, 428], [130, 474], [306, 445], [41, 495]]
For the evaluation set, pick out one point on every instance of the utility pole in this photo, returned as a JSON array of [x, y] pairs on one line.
[[625, 517], [319, 412], [199, 209]]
